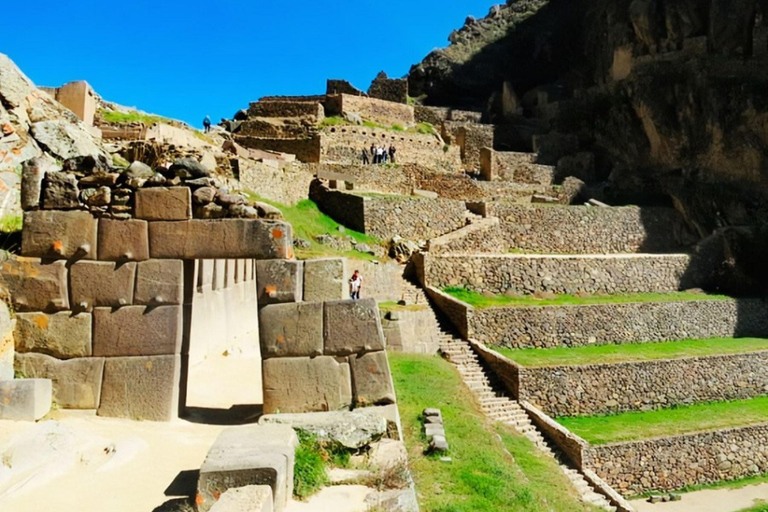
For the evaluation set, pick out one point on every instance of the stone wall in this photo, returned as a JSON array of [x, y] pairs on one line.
[[555, 326], [436, 116], [670, 463], [482, 235], [389, 89], [587, 229], [472, 138], [457, 312], [287, 185], [512, 166], [77, 97], [412, 331], [370, 109], [306, 149], [346, 209], [306, 109], [375, 178], [526, 274]]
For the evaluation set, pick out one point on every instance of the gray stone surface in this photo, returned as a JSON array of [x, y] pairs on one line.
[[101, 283], [34, 286], [7, 350], [351, 327], [25, 399], [63, 334], [371, 379], [57, 234], [251, 498], [279, 281], [60, 191], [76, 382], [163, 204], [123, 240], [351, 429], [301, 384], [324, 279], [32, 174], [137, 331], [159, 282], [141, 388], [64, 139], [291, 330]]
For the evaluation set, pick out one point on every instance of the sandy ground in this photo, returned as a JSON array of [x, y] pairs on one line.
[[720, 500], [343, 498], [221, 382]]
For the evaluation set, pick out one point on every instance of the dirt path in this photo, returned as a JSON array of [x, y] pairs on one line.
[[720, 500]]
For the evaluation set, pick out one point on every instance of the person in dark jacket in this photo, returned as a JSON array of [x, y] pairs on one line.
[[366, 161], [207, 124], [392, 151]]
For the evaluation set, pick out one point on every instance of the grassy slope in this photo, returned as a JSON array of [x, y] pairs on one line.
[[763, 507], [601, 354], [481, 301], [114, 116], [492, 468], [680, 420]]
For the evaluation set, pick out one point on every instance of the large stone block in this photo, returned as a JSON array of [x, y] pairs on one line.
[[251, 498], [159, 282], [123, 240], [222, 238], [279, 281], [324, 280], [57, 234], [34, 286], [76, 382], [372, 381], [141, 388], [301, 384], [249, 455], [137, 331], [352, 326], [101, 283], [25, 399], [63, 335], [173, 203], [291, 330], [351, 429], [6, 342]]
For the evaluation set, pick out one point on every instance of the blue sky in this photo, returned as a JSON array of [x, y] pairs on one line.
[[188, 59]]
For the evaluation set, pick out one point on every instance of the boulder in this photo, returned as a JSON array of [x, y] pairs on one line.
[[204, 195], [242, 211], [352, 326], [60, 191], [65, 139], [301, 384], [291, 330], [189, 168], [210, 211], [76, 382], [267, 211], [138, 170], [62, 335], [350, 429]]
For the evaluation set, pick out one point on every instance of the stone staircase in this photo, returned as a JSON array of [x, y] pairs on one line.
[[499, 407]]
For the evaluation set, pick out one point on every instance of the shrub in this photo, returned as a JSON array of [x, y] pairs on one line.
[[309, 474]]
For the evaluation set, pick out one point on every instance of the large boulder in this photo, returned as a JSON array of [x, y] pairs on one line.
[[350, 429], [65, 139]]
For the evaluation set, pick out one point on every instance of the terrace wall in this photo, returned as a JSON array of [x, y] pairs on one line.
[[379, 111], [305, 149], [287, 184]]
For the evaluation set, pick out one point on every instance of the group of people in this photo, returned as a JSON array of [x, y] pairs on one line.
[[379, 154]]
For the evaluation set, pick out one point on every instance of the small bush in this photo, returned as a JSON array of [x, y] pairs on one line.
[[10, 223], [309, 474]]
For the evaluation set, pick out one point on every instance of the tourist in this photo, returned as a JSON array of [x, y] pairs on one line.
[[366, 161], [355, 285], [392, 153], [373, 153], [207, 124], [384, 154]]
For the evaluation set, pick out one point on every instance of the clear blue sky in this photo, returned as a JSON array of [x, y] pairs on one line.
[[186, 59]]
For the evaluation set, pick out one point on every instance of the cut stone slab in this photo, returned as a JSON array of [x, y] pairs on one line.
[[58, 234], [63, 335], [137, 331], [163, 204], [123, 240], [251, 498], [301, 384], [221, 239], [25, 399], [433, 429], [76, 382], [291, 330], [394, 500], [351, 429], [7, 350], [249, 455], [371, 378], [279, 281], [34, 286], [101, 283], [141, 388], [438, 444], [324, 280], [159, 282], [388, 453], [351, 327]]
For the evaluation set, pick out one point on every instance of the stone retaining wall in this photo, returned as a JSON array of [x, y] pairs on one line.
[[287, 185], [457, 312], [513, 166], [482, 235], [379, 111], [306, 149], [411, 331], [389, 89], [312, 110]]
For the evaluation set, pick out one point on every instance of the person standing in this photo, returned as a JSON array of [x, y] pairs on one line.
[[355, 285], [392, 151], [207, 124], [366, 161], [373, 153]]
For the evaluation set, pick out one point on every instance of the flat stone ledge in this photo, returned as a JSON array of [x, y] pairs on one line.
[[25, 399]]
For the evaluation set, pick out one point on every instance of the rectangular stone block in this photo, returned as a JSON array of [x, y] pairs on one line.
[[162, 203], [123, 240], [59, 234], [301, 384], [141, 388], [371, 379], [63, 335], [159, 282], [279, 281], [324, 280], [25, 399], [6, 342], [249, 455], [34, 286], [221, 239], [101, 283], [76, 382], [351, 327], [291, 330], [137, 331], [251, 498]]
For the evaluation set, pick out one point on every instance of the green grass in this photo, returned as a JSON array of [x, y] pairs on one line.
[[309, 474], [421, 128], [10, 223], [333, 121], [425, 129], [631, 426], [606, 354], [479, 300], [760, 507], [113, 116], [492, 468]]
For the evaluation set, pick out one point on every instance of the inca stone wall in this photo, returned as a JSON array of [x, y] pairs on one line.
[[471, 138], [526, 274], [389, 89], [483, 235], [287, 109], [671, 463], [512, 166], [556, 326], [286, 185], [306, 149], [379, 111], [588, 230]]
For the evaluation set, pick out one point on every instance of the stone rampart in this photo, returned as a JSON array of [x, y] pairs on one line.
[[306, 149], [588, 230], [594, 274], [639, 322], [482, 235], [375, 110]]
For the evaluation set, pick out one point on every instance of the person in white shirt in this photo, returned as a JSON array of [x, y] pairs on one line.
[[355, 285]]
